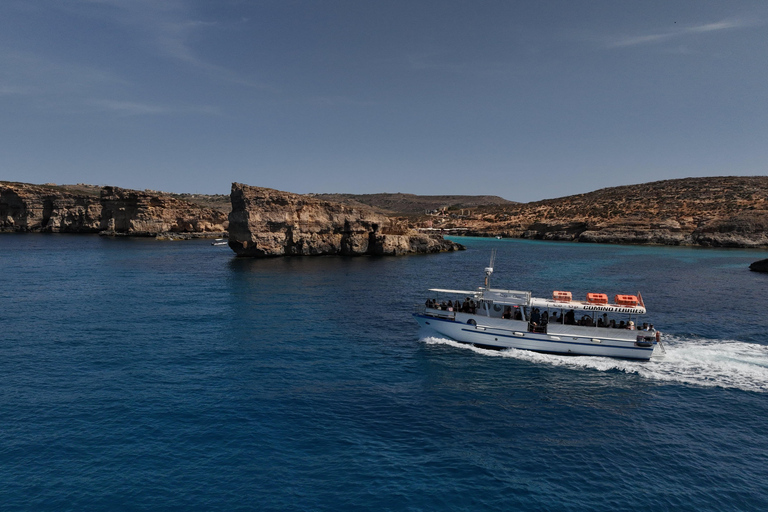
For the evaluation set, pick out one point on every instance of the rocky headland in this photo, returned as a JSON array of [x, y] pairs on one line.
[[266, 222], [759, 266], [709, 212], [105, 210]]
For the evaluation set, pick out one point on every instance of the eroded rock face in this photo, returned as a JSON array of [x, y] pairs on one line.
[[266, 222], [110, 210], [34, 208], [759, 266], [745, 229], [139, 213], [712, 212]]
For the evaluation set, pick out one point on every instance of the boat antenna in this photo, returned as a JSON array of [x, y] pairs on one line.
[[489, 270]]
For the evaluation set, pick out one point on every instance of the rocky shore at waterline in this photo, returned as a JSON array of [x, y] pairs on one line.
[[106, 210], [727, 211], [265, 222]]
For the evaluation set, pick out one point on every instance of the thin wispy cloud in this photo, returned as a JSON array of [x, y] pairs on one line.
[[335, 101], [128, 107], [442, 62], [14, 90], [678, 33], [169, 28], [133, 108], [28, 73]]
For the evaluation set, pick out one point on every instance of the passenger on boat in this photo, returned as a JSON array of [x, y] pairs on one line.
[[570, 318], [644, 327], [631, 325], [621, 325], [517, 315], [465, 306], [535, 316], [545, 318], [612, 324], [553, 319]]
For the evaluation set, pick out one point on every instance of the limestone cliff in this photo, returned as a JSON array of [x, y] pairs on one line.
[[266, 222], [713, 212], [107, 210], [139, 213], [47, 209]]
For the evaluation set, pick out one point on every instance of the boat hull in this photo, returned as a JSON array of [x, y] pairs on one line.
[[488, 332]]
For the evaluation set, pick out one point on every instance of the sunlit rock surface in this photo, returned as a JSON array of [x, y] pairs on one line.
[[107, 210], [266, 222]]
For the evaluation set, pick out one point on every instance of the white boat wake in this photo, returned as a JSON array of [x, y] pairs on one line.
[[723, 363]]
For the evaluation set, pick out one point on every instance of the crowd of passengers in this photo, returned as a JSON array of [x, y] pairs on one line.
[[538, 318], [468, 306]]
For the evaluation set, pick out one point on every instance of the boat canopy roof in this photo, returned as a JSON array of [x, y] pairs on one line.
[[586, 306], [472, 293], [523, 298], [511, 297]]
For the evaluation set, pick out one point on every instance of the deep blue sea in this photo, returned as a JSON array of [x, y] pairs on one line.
[[145, 375]]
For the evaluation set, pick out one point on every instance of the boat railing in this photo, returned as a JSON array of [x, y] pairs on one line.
[[421, 309]]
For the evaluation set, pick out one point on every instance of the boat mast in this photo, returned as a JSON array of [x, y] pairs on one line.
[[489, 270]]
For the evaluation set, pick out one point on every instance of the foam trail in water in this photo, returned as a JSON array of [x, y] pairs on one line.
[[723, 363]]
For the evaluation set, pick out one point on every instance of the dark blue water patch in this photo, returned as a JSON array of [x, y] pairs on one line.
[[142, 375]]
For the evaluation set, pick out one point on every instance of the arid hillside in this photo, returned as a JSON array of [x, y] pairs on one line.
[[716, 212], [411, 204], [719, 211]]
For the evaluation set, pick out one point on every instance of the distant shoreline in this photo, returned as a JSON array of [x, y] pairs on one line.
[[718, 212]]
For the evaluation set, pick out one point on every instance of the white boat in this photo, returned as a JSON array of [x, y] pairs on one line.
[[501, 319]]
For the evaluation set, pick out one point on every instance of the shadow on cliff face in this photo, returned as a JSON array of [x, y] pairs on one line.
[[113, 211], [266, 222]]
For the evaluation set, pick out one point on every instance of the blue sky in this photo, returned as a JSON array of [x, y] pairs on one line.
[[522, 99]]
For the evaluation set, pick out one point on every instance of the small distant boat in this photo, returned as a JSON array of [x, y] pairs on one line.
[[219, 241], [500, 319], [498, 237]]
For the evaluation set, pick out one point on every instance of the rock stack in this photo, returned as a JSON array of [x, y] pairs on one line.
[[266, 222]]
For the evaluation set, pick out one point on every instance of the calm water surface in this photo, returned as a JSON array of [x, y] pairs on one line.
[[145, 375]]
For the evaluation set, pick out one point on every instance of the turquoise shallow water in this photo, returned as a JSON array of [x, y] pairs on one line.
[[145, 375]]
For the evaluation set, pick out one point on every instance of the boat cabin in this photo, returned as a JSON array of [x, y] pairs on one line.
[[539, 314]]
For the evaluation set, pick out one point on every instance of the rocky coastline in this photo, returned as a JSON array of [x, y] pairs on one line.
[[266, 222], [106, 210], [705, 212]]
